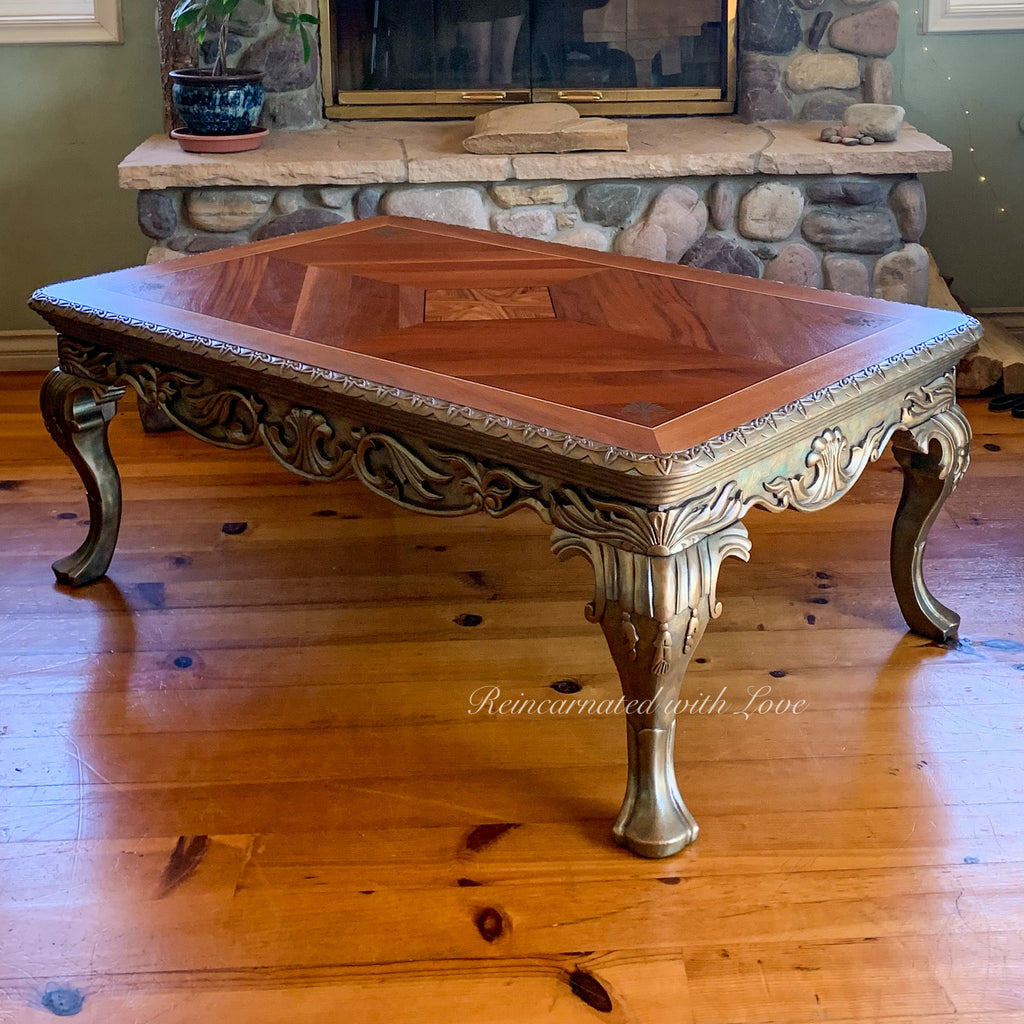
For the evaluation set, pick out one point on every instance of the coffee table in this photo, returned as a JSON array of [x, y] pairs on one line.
[[639, 408]]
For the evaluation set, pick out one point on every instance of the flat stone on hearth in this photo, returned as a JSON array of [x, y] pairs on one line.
[[543, 128], [882, 121]]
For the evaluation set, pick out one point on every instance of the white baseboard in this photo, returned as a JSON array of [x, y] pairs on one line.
[[28, 350], [1010, 317]]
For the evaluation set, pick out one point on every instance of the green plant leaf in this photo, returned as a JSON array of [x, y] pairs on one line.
[[186, 12], [222, 8], [309, 19]]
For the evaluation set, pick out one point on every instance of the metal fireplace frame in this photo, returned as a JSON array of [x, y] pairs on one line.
[[458, 103]]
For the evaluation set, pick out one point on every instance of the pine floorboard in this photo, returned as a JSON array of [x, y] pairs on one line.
[[241, 779]]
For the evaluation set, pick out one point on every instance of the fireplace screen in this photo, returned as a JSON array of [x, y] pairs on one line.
[[442, 58]]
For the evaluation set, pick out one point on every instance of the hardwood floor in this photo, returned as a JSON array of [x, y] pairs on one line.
[[240, 779]]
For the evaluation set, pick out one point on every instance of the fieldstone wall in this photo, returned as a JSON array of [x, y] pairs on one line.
[[855, 234], [798, 59], [810, 59]]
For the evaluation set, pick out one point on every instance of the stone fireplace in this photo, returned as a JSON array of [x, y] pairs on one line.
[[752, 193]]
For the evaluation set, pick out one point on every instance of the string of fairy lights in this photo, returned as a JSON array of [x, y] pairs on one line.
[[982, 178]]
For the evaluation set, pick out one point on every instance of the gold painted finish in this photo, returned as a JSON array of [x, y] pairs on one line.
[[934, 458], [76, 412]]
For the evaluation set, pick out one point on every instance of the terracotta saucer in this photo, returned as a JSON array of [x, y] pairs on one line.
[[219, 143]]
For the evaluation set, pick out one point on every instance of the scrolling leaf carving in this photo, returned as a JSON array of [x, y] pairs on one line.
[[306, 442]]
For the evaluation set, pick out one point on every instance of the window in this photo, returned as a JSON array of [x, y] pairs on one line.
[[973, 15], [60, 21]]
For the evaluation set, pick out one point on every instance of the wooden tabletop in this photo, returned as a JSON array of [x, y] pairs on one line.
[[645, 356]]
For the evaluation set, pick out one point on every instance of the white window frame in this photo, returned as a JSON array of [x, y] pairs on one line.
[[47, 23], [973, 15]]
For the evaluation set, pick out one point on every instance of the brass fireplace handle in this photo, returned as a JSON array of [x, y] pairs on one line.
[[485, 97], [580, 95]]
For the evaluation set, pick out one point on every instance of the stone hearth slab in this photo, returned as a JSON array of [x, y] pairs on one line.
[[356, 153]]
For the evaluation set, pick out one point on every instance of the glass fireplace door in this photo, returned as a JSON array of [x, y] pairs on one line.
[[437, 58]]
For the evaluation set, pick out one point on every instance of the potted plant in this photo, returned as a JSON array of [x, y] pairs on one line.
[[220, 105]]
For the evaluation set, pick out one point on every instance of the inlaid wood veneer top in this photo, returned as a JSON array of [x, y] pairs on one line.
[[640, 355]]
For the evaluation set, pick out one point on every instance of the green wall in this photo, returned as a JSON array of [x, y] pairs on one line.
[[68, 115], [937, 78]]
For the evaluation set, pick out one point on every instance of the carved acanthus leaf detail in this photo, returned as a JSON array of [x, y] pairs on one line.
[[925, 401], [656, 532], [306, 442], [225, 416], [390, 467], [658, 587], [156, 384], [832, 465], [951, 430], [89, 361], [497, 490]]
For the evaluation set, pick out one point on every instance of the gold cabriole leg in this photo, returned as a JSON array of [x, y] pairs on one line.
[[76, 412], [933, 457], [653, 610]]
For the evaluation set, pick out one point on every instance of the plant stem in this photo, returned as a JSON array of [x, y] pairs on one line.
[[221, 66]]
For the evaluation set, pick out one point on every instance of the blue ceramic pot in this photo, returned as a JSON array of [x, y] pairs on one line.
[[223, 105]]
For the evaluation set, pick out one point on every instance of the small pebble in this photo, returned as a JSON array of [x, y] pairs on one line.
[[851, 142], [846, 132], [826, 134], [866, 140]]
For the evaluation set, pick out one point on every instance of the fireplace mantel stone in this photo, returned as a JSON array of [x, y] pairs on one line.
[[765, 200], [417, 152]]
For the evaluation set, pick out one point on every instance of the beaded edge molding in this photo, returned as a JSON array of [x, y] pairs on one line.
[[685, 462]]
